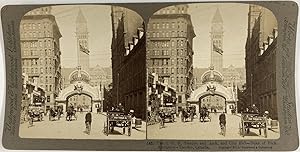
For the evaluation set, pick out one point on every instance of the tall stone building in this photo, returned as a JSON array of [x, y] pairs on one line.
[[128, 60], [261, 48], [40, 51], [216, 36], [170, 36], [82, 41]]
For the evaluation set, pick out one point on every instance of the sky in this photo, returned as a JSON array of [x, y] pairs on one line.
[[235, 32], [100, 33], [99, 28]]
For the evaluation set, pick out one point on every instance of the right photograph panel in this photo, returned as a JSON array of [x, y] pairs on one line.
[[212, 72]]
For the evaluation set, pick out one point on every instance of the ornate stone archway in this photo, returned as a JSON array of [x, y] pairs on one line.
[[212, 85], [79, 84]]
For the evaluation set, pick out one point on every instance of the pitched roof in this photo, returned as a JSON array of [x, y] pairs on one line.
[[217, 17], [80, 18]]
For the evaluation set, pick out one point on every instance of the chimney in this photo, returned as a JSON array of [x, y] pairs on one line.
[[135, 39], [126, 50], [270, 39], [140, 32], [275, 33], [130, 43], [261, 51], [265, 45]]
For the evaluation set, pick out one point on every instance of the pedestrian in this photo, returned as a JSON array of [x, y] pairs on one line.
[[222, 122], [30, 118], [161, 119], [88, 122]]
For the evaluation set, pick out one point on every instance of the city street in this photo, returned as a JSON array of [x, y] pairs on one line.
[[209, 130], [62, 129]]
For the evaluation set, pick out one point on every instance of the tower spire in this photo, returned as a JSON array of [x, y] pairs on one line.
[[217, 17], [82, 41], [80, 18], [217, 41]]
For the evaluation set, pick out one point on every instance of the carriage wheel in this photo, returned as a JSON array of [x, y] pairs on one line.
[[265, 131], [243, 130], [129, 129], [107, 128], [104, 128], [240, 129]]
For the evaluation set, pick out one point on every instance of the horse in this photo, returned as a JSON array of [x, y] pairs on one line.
[[203, 114], [71, 112], [187, 113], [53, 113]]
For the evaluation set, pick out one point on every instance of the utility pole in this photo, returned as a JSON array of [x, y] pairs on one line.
[[251, 102], [118, 89]]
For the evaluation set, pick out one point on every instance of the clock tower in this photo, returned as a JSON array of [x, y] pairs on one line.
[[83, 52], [216, 35]]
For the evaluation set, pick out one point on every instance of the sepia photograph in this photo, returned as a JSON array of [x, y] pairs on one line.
[[83, 73], [212, 72]]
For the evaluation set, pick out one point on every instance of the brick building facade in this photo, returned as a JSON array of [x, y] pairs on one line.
[[261, 49], [128, 61]]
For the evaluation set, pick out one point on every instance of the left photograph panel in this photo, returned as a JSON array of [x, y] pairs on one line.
[[83, 72]]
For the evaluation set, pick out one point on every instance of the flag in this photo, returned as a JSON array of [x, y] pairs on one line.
[[215, 48], [83, 49]]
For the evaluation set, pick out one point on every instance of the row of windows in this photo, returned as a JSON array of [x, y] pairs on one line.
[[166, 25], [173, 10], [36, 34], [166, 44], [161, 62], [33, 62], [167, 34], [217, 43], [33, 26], [45, 43], [179, 52], [48, 88], [47, 79], [167, 71], [35, 70], [38, 53]]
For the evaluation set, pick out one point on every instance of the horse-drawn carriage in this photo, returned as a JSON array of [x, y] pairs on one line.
[[204, 115], [71, 113], [254, 121], [188, 113], [117, 119], [169, 113], [55, 112], [36, 112]]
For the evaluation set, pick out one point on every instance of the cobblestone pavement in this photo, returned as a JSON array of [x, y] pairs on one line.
[[62, 129], [208, 130]]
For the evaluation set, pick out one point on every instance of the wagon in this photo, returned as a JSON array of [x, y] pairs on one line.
[[169, 113], [253, 121], [117, 119], [204, 115], [188, 113], [36, 113]]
